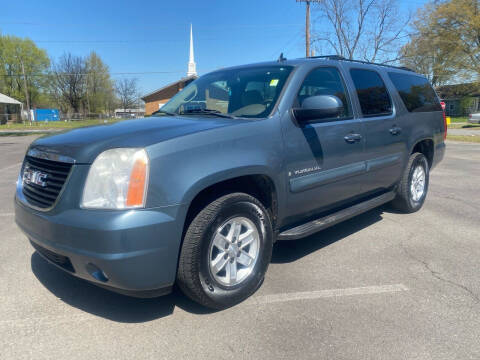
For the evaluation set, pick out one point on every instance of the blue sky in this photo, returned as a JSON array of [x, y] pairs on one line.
[[152, 36]]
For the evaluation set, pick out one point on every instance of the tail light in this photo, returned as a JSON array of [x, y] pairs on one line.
[[442, 103]]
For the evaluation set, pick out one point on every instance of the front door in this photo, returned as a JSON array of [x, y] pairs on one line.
[[325, 158]]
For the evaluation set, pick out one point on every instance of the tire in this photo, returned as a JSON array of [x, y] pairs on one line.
[[198, 278], [407, 200]]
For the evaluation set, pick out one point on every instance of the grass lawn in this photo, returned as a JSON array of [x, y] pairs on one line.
[[464, 126], [459, 119], [464, 138], [57, 124]]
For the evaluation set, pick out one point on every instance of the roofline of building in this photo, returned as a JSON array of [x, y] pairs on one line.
[[169, 85], [10, 100]]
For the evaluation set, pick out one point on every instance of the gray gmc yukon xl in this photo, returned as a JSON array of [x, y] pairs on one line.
[[240, 158]]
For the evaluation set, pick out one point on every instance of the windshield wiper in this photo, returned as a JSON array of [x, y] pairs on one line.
[[209, 112], [164, 112]]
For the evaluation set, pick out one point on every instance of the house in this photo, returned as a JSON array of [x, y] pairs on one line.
[[460, 99], [156, 99], [10, 109]]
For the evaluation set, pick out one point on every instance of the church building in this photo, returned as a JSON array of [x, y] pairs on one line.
[[156, 99]]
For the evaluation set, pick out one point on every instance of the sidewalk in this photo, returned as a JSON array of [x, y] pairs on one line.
[[465, 132], [29, 131]]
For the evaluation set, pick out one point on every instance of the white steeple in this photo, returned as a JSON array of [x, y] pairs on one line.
[[192, 67]]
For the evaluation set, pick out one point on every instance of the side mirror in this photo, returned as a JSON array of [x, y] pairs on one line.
[[318, 107]]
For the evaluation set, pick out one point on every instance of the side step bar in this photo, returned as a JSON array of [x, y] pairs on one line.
[[313, 226]]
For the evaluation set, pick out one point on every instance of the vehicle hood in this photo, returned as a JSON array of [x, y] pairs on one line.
[[84, 144]]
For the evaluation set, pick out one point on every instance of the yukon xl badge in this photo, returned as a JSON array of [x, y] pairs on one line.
[[34, 177]]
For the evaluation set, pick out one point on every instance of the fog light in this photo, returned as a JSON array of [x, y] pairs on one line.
[[96, 272]]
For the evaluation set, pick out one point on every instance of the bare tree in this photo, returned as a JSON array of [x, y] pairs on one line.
[[70, 80], [369, 30], [127, 91]]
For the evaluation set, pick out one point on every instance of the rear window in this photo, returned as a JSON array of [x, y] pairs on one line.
[[416, 92], [372, 93]]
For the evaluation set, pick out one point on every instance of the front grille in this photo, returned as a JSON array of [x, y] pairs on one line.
[[54, 174], [57, 259]]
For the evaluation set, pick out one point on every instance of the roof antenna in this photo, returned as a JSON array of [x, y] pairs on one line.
[[281, 58]]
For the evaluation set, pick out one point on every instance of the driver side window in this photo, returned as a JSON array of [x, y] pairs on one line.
[[325, 81]]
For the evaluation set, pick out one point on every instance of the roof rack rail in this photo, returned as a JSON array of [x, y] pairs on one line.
[[338, 57]]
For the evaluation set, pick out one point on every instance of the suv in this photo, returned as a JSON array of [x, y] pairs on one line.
[[240, 158]]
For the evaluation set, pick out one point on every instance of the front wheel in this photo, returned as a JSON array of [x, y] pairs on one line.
[[413, 187], [226, 251]]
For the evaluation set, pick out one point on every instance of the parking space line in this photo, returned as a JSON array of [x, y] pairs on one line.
[[310, 295], [7, 214]]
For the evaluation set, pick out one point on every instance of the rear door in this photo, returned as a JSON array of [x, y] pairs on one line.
[[385, 144], [324, 158]]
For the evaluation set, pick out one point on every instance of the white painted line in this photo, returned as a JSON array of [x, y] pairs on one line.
[[11, 166], [7, 214], [310, 295]]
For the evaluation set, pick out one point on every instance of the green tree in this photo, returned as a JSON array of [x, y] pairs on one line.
[[100, 89], [456, 25], [445, 44], [22, 63]]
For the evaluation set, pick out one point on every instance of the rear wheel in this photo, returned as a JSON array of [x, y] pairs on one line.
[[226, 251], [413, 187]]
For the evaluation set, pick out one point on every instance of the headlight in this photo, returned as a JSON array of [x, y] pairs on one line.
[[117, 179]]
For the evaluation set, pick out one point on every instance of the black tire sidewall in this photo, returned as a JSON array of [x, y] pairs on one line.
[[218, 293], [422, 161]]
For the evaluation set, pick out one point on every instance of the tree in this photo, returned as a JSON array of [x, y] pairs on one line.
[[127, 91], [445, 42], [369, 30], [423, 55], [99, 91], [69, 80], [22, 69], [456, 26]]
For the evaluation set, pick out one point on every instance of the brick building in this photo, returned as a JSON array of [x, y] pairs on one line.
[[156, 99]]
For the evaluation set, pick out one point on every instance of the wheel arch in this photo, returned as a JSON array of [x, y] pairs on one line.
[[253, 182], [426, 147]]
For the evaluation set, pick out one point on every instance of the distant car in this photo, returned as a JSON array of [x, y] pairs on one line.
[[474, 118]]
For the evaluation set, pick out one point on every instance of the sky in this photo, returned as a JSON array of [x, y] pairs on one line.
[[150, 39]]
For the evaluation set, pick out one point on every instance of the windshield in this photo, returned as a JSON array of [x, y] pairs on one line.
[[248, 92]]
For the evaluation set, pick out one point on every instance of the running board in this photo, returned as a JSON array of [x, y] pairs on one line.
[[313, 226]]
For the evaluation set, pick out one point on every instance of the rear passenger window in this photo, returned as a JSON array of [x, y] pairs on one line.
[[416, 92], [325, 81], [372, 93]]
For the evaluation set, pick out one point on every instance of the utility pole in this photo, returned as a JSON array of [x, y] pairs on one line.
[[307, 25], [26, 90]]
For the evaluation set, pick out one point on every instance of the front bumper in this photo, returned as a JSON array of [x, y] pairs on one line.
[[133, 252]]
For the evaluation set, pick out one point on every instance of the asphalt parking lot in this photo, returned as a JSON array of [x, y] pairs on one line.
[[379, 286]]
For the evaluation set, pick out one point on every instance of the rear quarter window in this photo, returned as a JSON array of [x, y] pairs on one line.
[[416, 92]]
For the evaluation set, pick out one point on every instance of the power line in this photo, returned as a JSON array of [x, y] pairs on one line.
[[87, 74]]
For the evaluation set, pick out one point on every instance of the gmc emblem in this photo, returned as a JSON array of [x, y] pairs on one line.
[[34, 177]]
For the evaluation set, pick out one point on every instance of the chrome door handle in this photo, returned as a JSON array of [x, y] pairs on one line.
[[352, 138], [395, 130]]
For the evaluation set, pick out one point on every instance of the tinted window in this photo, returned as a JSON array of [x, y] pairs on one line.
[[416, 92], [325, 81], [372, 93]]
